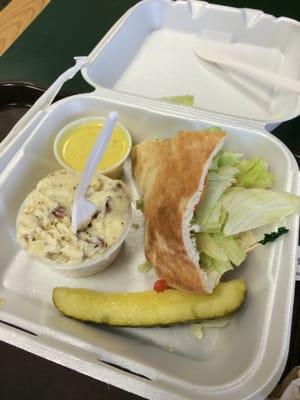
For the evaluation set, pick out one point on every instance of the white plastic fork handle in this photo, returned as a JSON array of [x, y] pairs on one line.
[[90, 167], [46, 99], [223, 54]]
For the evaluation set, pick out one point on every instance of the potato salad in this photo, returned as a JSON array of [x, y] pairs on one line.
[[44, 220]]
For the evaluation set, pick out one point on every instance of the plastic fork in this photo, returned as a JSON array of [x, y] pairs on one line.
[[83, 209], [224, 54]]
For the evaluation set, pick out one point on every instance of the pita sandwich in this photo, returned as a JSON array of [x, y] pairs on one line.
[[171, 177]]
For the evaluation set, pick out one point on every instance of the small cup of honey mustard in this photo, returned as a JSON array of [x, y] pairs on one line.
[[75, 141]]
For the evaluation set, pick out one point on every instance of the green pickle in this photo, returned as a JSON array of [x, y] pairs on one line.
[[149, 308]]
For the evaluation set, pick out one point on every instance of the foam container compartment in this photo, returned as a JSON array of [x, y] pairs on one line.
[[246, 358], [151, 53]]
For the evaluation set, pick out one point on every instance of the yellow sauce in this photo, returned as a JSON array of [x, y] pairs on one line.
[[76, 144]]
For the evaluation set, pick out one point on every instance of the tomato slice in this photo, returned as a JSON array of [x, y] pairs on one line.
[[160, 285]]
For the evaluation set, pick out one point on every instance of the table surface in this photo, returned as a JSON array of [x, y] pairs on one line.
[[15, 16], [65, 29]]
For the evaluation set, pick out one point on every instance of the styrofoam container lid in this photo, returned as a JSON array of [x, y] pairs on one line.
[[150, 52]]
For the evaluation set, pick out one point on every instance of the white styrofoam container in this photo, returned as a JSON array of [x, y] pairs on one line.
[[151, 53], [243, 360]]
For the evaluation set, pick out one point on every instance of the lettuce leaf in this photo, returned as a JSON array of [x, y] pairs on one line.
[[216, 323], [208, 262], [246, 240], [197, 329], [250, 208], [145, 266], [214, 129], [186, 100], [216, 219], [206, 244], [224, 173], [218, 182], [225, 158], [231, 248], [219, 252], [254, 174]]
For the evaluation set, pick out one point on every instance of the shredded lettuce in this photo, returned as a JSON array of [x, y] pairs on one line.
[[254, 174], [219, 252], [208, 262], [145, 266], [216, 219], [218, 182], [214, 129], [197, 329], [186, 100], [225, 158], [251, 208], [224, 173], [236, 201], [231, 248], [206, 243], [220, 322], [246, 240]]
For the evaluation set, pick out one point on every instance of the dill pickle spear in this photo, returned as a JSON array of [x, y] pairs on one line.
[[149, 308]]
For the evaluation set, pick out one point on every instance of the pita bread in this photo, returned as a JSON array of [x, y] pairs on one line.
[[170, 174]]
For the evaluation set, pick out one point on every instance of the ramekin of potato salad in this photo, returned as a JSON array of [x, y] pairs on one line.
[[44, 223]]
